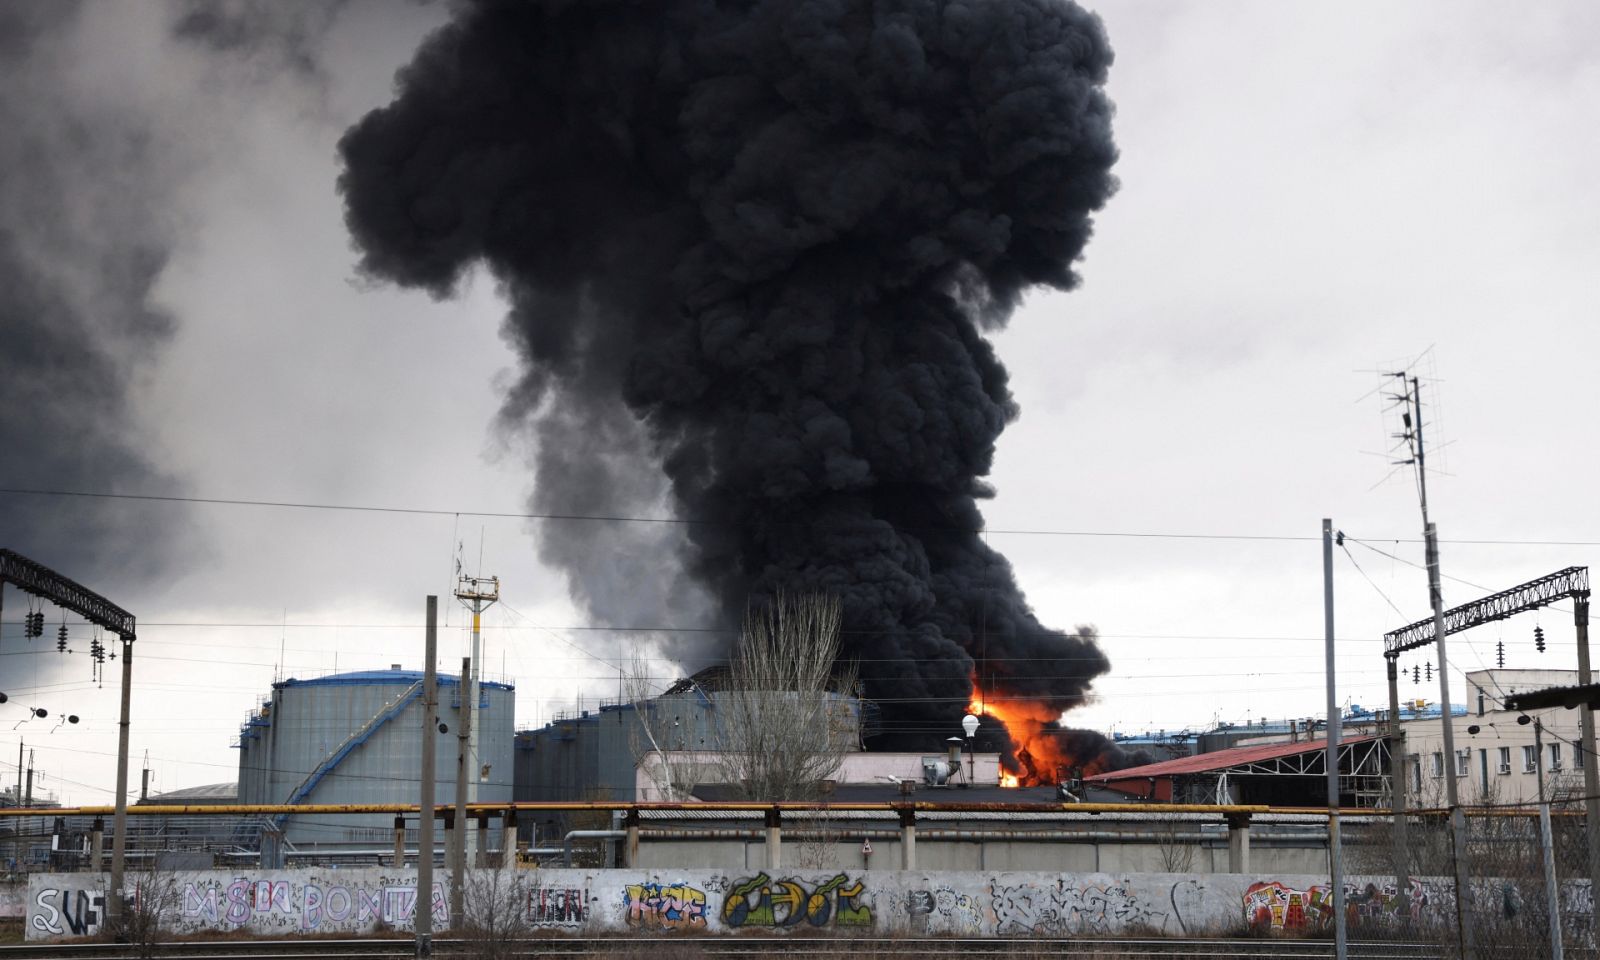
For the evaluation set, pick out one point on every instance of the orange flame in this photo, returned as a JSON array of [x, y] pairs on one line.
[[1039, 752]]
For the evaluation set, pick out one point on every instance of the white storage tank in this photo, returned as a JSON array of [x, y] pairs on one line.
[[357, 738]]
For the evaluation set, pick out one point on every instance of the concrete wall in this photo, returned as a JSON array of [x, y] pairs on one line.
[[1090, 856], [985, 903]]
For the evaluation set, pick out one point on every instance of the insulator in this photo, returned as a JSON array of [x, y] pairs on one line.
[[1500, 653], [1416, 674], [1428, 669], [61, 643], [1538, 639]]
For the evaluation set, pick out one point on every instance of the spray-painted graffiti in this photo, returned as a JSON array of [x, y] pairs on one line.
[[313, 905], [1064, 908], [66, 911], [1275, 906], [345, 901], [558, 906], [761, 902], [978, 904], [955, 912], [664, 906]]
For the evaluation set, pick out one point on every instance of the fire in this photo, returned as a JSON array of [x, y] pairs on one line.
[[1040, 754]]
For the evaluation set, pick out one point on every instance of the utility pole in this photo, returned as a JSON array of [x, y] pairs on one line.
[[476, 594], [119, 817], [1586, 738], [1412, 418], [458, 840], [1335, 853], [1397, 788], [1552, 892], [422, 924]]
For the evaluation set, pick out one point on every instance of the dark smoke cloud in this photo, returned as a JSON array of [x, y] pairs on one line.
[[755, 248], [83, 241]]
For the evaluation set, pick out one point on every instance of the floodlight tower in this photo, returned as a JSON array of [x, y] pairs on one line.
[[476, 594]]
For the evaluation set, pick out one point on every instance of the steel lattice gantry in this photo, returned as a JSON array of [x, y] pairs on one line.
[[1572, 582], [41, 581]]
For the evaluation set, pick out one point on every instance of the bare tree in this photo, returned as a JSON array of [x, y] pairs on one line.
[[153, 900], [657, 738], [494, 913], [786, 718]]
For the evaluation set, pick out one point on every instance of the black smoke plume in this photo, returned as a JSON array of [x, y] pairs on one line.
[[755, 248], [83, 240]]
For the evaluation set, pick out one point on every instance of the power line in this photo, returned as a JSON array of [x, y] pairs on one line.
[[693, 521]]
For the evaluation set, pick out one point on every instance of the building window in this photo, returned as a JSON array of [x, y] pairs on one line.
[[1414, 761], [1463, 760], [1438, 764], [1555, 756], [1505, 759], [1530, 759], [1577, 756], [1483, 770]]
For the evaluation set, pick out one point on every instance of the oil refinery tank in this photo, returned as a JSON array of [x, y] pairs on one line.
[[357, 738]]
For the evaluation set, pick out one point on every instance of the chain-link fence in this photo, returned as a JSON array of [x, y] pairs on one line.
[[1505, 862]]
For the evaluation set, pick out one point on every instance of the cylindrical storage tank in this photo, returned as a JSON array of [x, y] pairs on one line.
[[357, 738]]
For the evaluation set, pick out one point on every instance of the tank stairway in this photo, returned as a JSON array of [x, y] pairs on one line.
[[388, 712]]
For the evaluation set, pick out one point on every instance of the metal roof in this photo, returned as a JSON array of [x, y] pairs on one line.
[[365, 677], [1221, 759]]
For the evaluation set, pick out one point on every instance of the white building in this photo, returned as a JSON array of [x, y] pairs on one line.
[[1494, 758]]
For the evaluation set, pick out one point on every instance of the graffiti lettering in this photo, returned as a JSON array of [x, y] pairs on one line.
[[664, 906], [558, 906], [760, 902], [1274, 906], [1058, 909]]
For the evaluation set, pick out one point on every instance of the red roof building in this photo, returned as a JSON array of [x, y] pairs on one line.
[[1278, 774]]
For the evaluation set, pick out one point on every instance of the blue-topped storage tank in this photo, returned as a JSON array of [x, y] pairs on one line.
[[357, 738]]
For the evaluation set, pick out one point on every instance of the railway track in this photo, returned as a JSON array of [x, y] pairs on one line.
[[746, 948]]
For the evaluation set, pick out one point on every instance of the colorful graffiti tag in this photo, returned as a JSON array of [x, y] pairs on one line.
[[1275, 906], [761, 902], [664, 906], [1271, 905]]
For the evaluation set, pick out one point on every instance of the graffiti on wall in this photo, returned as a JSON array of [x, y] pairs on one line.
[[292, 902], [664, 906], [64, 911], [218, 901], [278, 904], [558, 906], [761, 902], [1279, 907], [1032, 908], [953, 911]]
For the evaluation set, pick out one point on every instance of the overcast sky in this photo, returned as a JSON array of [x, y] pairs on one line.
[[1309, 195]]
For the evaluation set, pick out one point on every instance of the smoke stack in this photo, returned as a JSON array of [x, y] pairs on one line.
[[755, 252]]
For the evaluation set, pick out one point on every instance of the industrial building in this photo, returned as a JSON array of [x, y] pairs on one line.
[[353, 738], [1495, 760]]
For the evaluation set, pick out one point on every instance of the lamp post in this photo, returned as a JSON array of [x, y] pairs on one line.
[[969, 723]]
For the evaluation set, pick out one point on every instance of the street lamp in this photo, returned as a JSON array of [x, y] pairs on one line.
[[969, 723]]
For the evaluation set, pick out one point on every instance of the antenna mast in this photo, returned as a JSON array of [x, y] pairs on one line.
[[1410, 399], [476, 594]]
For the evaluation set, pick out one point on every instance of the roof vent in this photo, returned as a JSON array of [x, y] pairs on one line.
[[394, 666]]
